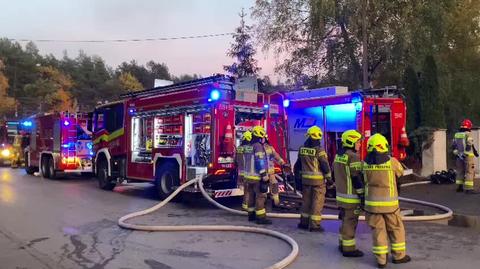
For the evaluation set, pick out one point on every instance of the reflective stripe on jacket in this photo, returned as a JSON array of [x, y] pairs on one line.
[[344, 167], [314, 165], [463, 143], [381, 195]]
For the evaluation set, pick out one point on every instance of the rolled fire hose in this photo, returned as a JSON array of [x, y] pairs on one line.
[[122, 222]]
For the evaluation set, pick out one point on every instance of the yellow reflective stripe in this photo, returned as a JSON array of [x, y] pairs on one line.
[[356, 165], [380, 249], [316, 217], [459, 181], [360, 191], [382, 203], [318, 177], [343, 159], [322, 154], [349, 180], [305, 215], [109, 137], [251, 209], [391, 178], [460, 135], [245, 206], [469, 183], [251, 177], [261, 212], [399, 246], [378, 167], [348, 243], [348, 200]]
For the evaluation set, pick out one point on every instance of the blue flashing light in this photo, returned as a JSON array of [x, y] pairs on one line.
[[131, 111], [90, 145], [91, 153], [27, 123], [358, 106], [286, 103], [214, 95], [265, 106], [66, 122], [68, 145]]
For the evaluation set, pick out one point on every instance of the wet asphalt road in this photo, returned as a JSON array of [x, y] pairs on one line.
[[70, 223]]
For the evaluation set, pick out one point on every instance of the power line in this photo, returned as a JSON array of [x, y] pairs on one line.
[[119, 40]]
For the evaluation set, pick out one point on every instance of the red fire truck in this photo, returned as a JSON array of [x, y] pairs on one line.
[[336, 110], [59, 142], [169, 135]]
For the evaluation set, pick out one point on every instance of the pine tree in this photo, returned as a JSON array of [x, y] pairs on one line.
[[431, 101], [243, 51]]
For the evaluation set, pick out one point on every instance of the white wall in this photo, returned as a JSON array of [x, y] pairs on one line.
[[435, 158], [476, 139]]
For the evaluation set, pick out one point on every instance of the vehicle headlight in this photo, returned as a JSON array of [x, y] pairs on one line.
[[6, 153]]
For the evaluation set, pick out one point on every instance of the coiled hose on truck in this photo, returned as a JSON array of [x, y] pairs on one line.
[[122, 222]]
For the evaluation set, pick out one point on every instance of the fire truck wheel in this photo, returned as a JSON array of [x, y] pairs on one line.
[[44, 167], [104, 181], [28, 169], [51, 168], [166, 178]]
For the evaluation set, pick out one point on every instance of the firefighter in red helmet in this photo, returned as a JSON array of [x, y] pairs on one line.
[[465, 153]]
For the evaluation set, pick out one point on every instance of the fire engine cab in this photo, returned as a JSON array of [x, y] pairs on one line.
[[59, 142], [335, 110], [171, 134]]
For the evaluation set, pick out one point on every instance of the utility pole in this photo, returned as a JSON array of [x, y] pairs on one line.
[[366, 83]]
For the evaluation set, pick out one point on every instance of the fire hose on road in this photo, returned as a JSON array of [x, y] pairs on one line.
[[122, 222]]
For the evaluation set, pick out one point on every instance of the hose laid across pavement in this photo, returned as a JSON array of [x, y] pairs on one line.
[[122, 222]]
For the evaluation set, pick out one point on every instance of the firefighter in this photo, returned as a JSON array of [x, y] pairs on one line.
[[257, 178], [240, 160], [347, 169], [464, 152], [272, 158], [381, 205], [314, 169]]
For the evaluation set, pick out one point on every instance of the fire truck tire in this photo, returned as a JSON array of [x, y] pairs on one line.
[[104, 181], [44, 167], [166, 178], [28, 169], [51, 168]]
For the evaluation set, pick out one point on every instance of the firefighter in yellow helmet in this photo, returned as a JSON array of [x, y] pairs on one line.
[[313, 166], [242, 153], [347, 168], [380, 172], [465, 153], [258, 178]]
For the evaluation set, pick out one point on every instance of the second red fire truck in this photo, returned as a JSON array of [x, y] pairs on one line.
[[59, 143]]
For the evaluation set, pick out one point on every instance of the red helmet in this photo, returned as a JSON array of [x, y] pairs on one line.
[[466, 124]]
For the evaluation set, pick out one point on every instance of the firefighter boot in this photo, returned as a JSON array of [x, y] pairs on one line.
[[460, 188], [264, 221], [303, 223], [381, 265], [353, 254], [318, 229], [402, 260], [471, 192], [252, 216]]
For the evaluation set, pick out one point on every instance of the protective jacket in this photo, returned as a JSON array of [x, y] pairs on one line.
[[380, 173], [314, 166], [347, 169], [463, 145]]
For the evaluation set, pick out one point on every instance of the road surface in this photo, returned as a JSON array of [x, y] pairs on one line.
[[70, 223]]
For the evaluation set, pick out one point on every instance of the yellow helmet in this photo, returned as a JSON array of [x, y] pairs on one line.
[[314, 133], [247, 136], [350, 137], [377, 142], [259, 131]]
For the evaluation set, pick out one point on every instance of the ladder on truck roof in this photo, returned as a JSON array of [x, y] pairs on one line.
[[221, 79]]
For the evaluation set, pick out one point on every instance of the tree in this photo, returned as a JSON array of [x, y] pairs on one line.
[[431, 101], [8, 103], [243, 51], [128, 82], [51, 92], [412, 90]]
